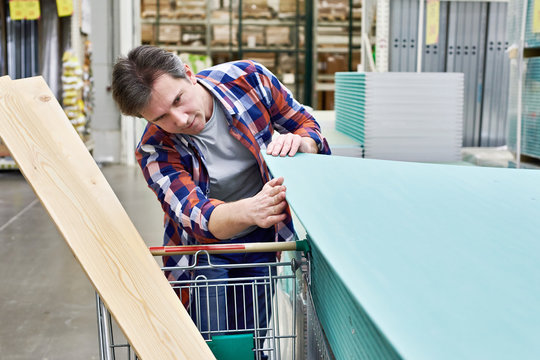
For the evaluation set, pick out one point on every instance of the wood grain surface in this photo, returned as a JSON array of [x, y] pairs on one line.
[[91, 219]]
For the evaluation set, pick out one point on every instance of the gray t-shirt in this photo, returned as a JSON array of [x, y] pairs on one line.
[[233, 170]]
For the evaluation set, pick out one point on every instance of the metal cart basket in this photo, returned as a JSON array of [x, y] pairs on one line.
[[271, 335]]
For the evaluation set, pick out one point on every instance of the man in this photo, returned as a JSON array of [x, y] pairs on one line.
[[200, 154]]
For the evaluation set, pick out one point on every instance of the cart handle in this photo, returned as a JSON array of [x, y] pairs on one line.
[[301, 245]]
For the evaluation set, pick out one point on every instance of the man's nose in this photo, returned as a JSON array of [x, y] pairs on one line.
[[180, 117]]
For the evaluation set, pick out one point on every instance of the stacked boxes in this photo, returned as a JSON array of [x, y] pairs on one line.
[[169, 33], [278, 35], [333, 10], [257, 9], [167, 8], [193, 9], [333, 36], [253, 36], [193, 35], [147, 33], [221, 35], [331, 63], [287, 8]]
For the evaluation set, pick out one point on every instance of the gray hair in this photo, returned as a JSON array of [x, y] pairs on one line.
[[133, 76]]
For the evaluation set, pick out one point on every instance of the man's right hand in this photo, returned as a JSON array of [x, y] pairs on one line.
[[265, 209], [268, 206]]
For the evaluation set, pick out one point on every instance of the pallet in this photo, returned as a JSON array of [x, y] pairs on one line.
[[332, 17], [259, 16], [224, 42], [152, 14], [258, 13], [194, 15]]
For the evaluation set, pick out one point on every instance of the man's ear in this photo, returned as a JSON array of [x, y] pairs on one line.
[[190, 75]]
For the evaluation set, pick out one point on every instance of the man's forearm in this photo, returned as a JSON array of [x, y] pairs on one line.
[[308, 145], [229, 219], [265, 209]]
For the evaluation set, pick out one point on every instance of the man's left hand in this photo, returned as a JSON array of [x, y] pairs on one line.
[[289, 144]]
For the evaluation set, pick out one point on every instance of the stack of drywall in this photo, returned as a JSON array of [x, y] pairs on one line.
[[420, 261], [530, 115], [402, 116]]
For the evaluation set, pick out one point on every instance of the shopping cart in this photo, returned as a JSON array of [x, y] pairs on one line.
[[273, 336]]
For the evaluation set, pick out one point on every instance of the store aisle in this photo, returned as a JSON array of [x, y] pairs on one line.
[[47, 304]]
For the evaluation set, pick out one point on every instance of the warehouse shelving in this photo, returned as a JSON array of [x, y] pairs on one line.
[[241, 36], [337, 42], [292, 61]]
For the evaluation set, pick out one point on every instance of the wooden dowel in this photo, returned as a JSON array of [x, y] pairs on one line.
[[230, 248]]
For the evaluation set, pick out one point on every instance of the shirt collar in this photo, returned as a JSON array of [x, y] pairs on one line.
[[218, 94]]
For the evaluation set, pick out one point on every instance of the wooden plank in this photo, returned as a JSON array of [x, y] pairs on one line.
[[90, 217]]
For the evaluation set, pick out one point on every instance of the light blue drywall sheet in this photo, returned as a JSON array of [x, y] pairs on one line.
[[444, 259]]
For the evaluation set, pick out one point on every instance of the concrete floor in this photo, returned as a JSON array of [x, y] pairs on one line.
[[47, 304]]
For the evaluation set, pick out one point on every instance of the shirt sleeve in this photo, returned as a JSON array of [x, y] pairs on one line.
[[181, 199], [287, 114]]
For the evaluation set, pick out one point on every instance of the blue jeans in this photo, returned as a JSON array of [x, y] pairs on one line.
[[229, 304]]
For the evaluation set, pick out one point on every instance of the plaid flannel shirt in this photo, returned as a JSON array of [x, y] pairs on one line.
[[255, 104]]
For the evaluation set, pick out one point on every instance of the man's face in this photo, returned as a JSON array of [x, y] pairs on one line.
[[178, 106]]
